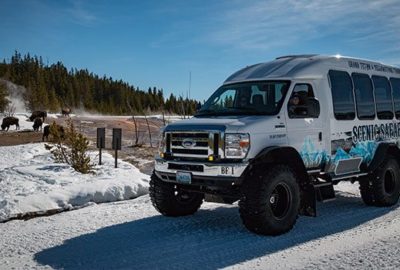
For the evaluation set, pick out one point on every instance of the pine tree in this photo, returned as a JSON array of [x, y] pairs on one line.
[[71, 147]]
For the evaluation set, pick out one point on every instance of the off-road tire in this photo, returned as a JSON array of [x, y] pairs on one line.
[[262, 214], [383, 189], [170, 200]]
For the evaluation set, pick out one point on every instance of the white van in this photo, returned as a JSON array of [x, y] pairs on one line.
[[278, 135]]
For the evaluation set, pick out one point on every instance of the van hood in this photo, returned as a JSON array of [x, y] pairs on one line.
[[230, 124]]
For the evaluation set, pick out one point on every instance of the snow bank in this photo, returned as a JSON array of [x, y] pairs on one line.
[[31, 182]]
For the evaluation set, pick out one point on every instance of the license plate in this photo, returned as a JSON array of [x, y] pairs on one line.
[[183, 177]]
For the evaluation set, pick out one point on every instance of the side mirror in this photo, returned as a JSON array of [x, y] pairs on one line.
[[313, 107]]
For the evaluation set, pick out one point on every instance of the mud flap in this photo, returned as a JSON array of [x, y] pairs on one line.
[[308, 201]]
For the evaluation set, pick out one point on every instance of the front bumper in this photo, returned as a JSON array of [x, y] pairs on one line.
[[204, 174]]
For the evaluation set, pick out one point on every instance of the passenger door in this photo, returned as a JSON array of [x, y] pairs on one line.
[[305, 126]]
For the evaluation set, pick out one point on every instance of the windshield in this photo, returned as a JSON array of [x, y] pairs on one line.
[[250, 98]]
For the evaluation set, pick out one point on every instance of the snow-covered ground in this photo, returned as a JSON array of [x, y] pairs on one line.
[[132, 235], [167, 118], [31, 182], [25, 124]]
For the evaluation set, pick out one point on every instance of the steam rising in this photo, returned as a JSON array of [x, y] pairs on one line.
[[16, 96]]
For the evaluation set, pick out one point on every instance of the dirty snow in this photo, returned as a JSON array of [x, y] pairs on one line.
[[30, 181]]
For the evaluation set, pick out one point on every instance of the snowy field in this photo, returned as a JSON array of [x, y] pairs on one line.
[[31, 182], [130, 234]]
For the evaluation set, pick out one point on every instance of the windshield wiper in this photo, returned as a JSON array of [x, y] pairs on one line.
[[205, 112], [231, 111], [246, 109]]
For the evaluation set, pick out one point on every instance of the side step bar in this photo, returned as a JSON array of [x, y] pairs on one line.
[[324, 191], [321, 191]]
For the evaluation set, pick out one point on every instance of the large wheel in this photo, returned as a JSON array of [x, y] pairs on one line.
[[270, 202], [383, 189], [170, 200]]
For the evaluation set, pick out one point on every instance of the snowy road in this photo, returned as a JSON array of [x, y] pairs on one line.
[[132, 235]]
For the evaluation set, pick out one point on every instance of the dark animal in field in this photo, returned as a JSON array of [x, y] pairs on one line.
[[37, 124], [36, 114], [46, 132], [65, 111], [9, 121]]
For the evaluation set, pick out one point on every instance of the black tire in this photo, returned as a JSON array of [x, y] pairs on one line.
[[170, 200], [383, 189], [271, 201]]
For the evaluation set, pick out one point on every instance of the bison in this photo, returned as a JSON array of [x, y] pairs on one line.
[[47, 132], [65, 111], [37, 124], [9, 121], [36, 114]]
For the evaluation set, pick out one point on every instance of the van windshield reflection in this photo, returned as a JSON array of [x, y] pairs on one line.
[[250, 98]]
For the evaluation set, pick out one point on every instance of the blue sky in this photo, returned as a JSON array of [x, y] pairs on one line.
[[158, 43]]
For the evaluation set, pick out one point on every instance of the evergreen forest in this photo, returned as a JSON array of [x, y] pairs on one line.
[[52, 87]]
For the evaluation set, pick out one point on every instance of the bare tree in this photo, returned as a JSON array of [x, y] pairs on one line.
[[135, 123], [183, 111], [163, 118], [148, 127]]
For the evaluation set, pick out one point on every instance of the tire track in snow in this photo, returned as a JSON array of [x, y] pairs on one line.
[[133, 235]]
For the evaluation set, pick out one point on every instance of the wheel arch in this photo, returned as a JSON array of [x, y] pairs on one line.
[[381, 153], [283, 155]]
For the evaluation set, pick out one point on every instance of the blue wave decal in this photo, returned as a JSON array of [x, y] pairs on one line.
[[365, 149], [311, 157], [340, 154]]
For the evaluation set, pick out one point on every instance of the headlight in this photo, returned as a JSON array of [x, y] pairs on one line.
[[237, 145], [161, 144]]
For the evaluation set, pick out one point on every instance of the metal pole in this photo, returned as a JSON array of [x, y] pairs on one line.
[[116, 154], [101, 143]]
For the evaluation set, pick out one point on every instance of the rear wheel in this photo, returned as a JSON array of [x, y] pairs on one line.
[[270, 202], [384, 187], [170, 200]]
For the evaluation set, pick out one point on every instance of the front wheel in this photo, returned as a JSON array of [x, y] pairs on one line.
[[170, 200], [270, 202]]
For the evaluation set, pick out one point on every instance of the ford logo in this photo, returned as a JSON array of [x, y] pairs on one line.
[[188, 143]]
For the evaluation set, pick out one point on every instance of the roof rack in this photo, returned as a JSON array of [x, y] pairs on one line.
[[297, 56]]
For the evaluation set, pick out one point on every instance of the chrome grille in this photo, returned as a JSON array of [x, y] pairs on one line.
[[190, 144]]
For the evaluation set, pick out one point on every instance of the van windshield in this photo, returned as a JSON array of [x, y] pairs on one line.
[[249, 98]]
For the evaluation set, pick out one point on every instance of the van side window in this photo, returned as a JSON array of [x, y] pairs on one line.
[[396, 95], [364, 96], [383, 97], [342, 95], [300, 104]]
